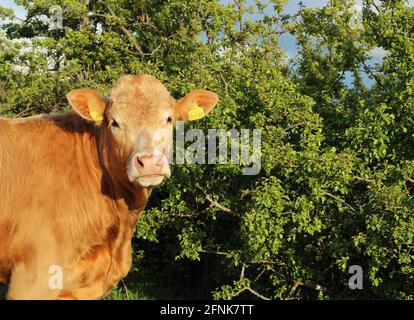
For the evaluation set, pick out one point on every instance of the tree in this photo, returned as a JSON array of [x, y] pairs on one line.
[[336, 182]]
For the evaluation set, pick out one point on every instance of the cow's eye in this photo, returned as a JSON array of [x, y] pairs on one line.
[[169, 119], [114, 124]]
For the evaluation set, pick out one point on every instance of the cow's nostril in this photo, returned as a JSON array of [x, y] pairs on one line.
[[140, 163]]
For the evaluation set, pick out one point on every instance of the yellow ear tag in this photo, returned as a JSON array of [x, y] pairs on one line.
[[195, 112], [96, 116]]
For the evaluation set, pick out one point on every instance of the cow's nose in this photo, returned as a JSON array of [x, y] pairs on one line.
[[149, 164]]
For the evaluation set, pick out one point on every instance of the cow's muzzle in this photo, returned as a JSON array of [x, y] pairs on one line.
[[148, 169]]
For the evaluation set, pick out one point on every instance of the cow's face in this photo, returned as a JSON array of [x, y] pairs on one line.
[[137, 124]]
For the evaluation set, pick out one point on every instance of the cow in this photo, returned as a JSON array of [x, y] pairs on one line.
[[72, 185]]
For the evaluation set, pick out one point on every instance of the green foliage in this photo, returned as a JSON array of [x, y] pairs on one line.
[[336, 184]]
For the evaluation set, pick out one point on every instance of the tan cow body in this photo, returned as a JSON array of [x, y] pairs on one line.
[[72, 189]]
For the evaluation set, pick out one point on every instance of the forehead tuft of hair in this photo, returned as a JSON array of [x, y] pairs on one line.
[[129, 89]]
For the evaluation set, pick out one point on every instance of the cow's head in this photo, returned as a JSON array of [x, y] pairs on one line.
[[136, 124]]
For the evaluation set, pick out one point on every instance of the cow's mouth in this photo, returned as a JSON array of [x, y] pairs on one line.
[[150, 180]]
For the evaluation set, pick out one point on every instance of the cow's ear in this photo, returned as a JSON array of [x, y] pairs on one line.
[[88, 103], [195, 105]]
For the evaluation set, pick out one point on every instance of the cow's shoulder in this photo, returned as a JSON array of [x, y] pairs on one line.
[[67, 121]]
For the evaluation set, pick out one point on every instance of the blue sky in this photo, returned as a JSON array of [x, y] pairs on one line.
[[287, 41], [19, 11]]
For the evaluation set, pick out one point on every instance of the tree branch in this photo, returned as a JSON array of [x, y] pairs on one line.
[[220, 253], [214, 203], [295, 125], [373, 75], [339, 200], [308, 284], [242, 272], [375, 6], [254, 292], [128, 33], [362, 179], [181, 215]]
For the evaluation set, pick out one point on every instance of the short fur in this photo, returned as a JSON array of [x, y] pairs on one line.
[[65, 198]]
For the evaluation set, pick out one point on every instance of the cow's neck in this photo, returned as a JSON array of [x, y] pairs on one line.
[[114, 183]]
